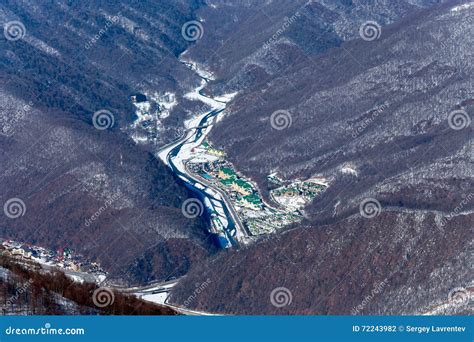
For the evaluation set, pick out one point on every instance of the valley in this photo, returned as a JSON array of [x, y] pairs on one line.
[[235, 208], [323, 147]]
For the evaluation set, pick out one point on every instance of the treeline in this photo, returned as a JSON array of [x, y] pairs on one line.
[[29, 290]]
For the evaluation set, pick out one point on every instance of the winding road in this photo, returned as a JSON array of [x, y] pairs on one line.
[[176, 154]]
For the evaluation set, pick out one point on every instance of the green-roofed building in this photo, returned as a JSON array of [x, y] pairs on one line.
[[253, 198], [226, 173], [243, 184], [227, 182]]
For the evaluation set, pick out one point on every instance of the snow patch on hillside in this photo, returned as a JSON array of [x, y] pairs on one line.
[[349, 170], [42, 46], [462, 7]]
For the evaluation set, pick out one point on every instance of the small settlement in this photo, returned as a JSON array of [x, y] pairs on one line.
[[210, 165], [63, 258]]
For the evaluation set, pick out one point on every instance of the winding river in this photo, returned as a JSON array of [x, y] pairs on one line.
[[213, 202]]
